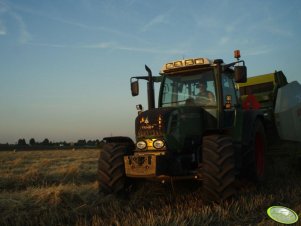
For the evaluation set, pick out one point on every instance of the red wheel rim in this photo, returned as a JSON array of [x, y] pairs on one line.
[[259, 146]]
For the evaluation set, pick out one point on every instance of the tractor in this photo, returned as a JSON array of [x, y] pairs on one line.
[[199, 131]]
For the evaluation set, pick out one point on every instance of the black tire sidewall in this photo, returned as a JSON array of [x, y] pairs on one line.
[[258, 129], [218, 173], [111, 154]]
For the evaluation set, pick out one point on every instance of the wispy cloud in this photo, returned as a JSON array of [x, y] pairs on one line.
[[116, 46], [2, 28], [224, 40], [101, 45], [159, 19], [24, 34], [279, 31], [78, 24], [5, 8], [111, 46], [150, 50], [100, 28], [51, 45], [260, 50]]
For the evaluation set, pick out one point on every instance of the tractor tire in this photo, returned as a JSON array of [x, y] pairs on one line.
[[218, 168], [111, 173], [255, 158], [258, 149]]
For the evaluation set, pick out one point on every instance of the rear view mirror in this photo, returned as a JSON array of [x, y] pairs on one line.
[[135, 88], [240, 74]]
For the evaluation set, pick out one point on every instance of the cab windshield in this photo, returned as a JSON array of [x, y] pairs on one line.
[[189, 90]]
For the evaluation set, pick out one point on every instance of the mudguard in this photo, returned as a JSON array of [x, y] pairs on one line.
[[120, 140]]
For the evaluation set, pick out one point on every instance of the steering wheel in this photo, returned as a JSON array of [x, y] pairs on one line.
[[190, 101]]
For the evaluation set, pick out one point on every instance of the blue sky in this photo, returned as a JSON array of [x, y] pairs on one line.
[[65, 65]]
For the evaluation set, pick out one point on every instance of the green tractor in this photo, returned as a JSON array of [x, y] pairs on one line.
[[198, 131]]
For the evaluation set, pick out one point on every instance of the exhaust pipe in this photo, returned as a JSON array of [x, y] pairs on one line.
[[150, 89]]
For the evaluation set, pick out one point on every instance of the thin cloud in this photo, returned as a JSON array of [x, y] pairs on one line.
[[258, 51], [115, 46], [24, 34], [110, 46], [3, 9], [149, 50], [160, 19], [224, 40], [48, 45], [3, 6], [279, 31], [2, 28], [99, 28], [78, 24], [101, 45]]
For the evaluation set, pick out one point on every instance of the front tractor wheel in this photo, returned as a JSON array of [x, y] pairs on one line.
[[218, 168], [111, 173]]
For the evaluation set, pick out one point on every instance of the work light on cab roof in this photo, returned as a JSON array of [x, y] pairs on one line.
[[185, 64]]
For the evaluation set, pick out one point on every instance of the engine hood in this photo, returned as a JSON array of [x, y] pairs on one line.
[[179, 126], [152, 122]]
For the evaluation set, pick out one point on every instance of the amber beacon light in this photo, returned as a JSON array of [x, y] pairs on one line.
[[237, 54]]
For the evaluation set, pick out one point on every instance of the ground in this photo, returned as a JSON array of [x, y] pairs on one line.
[[60, 188]]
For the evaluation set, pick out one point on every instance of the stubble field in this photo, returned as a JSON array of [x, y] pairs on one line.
[[60, 188]]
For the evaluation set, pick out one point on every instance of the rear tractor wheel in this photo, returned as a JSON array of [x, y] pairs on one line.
[[255, 158]]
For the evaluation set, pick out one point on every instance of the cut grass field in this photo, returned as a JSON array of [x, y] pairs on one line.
[[60, 188]]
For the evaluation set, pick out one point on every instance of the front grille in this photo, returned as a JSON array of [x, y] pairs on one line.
[[147, 133]]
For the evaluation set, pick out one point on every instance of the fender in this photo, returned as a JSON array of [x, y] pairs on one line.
[[128, 142]]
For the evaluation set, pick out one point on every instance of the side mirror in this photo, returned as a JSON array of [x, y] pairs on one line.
[[240, 74], [135, 88]]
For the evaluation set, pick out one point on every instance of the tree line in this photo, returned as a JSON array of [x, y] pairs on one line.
[[32, 144]]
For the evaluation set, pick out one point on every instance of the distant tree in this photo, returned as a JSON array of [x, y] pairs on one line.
[[81, 142], [97, 142], [91, 143], [45, 142], [4, 146], [65, 143], [21, 142], [32, 141]]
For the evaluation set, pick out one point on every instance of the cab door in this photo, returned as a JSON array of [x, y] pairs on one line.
[[229, 100]]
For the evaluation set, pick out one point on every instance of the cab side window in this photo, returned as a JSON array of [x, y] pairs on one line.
[[228, 89]]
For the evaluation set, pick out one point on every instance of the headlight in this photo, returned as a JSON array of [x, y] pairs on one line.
[[141, 144], [158, 144]]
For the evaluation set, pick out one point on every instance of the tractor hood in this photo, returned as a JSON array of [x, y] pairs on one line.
[[152, 123], [178, 122]]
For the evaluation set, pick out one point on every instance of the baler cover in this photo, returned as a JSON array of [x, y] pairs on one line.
[[288, 112]]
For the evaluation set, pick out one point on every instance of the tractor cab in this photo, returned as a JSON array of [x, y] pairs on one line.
[[191, 89], [197, 96]]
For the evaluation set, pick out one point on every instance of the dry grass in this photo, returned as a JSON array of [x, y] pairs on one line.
[[60, 188]]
